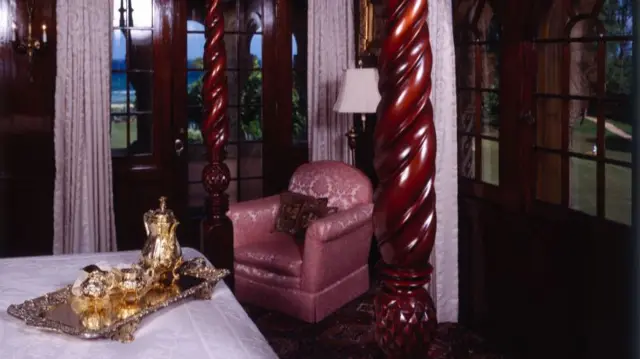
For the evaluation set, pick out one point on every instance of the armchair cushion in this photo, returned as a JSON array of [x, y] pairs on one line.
[[280, 255]]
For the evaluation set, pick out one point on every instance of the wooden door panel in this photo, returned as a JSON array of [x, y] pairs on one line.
[[546, 285], [145, 163]]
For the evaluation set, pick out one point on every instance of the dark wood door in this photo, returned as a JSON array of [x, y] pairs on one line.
[[544, 258], [147, 147]]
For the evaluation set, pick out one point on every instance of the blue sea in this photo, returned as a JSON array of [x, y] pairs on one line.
[[119, 83]]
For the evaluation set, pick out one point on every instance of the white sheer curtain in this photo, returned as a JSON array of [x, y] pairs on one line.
[[83, 203], [331, 51], [444, 258]]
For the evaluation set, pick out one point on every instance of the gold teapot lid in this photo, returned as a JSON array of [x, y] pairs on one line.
[[160, 215]]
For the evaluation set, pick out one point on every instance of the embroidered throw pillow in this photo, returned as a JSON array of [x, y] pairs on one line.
[[309, 215], [292, 206]]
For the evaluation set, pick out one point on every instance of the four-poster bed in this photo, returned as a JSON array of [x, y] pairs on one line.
[[217, 228], [404, 213]]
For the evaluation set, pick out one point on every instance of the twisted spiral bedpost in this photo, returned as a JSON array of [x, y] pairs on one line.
[[217, 227], [405, 212]]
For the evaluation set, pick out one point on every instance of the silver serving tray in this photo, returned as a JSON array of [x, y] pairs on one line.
[[116, 319]]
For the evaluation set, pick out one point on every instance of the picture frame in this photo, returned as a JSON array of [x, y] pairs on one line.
[[371, 27]]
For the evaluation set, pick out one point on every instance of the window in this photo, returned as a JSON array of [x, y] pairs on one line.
[[243, 38], [478, 76], [243, 41], [132, 78], [584, 127]]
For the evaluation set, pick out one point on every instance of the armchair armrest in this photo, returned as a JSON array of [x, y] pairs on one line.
[[253, 220], [336, 246], [338, 224]]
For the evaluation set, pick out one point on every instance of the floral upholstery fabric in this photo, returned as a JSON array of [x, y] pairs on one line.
[[338, 224], [335, 245], [309, 215], [253, 221], [342, 184], [266, 277], [280, 256]]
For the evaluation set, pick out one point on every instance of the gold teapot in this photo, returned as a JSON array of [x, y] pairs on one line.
[[161, 253]]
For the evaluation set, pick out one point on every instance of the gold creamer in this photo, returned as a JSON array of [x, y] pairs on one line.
[[161, 252]]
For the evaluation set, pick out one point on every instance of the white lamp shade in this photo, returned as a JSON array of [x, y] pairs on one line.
[[358, 92]]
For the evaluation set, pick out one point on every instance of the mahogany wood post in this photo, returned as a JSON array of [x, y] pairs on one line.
[[405, 209], [218, 229]]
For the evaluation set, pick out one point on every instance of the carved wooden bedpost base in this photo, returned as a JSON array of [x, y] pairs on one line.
[[217, 228], [404, 215], [405, 314]]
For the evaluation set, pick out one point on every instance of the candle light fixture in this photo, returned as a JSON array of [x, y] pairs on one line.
[[31, 44]]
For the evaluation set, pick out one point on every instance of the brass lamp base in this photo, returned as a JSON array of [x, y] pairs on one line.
[[351, 141]]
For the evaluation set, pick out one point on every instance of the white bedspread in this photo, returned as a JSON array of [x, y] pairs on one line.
[[217, 328]]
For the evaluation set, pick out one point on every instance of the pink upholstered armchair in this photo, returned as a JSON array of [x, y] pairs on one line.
[[312, 278]]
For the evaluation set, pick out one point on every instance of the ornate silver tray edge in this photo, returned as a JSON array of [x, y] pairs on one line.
[[30, 311]]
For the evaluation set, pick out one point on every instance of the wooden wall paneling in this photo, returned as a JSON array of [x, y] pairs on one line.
[[26, 134], [551, 284]]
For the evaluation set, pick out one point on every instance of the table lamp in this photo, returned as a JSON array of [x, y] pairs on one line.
[[358, 94]]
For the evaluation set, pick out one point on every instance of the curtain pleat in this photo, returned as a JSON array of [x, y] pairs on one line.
[[331, 50], [83, 198], [444, 258]]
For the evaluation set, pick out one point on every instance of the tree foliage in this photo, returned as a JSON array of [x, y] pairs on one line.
[[251, 105], [617, 18]]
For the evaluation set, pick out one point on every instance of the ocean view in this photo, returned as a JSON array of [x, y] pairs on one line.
[[119, 83]]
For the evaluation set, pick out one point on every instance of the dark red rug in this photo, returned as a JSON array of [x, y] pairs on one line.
[[348, 334]]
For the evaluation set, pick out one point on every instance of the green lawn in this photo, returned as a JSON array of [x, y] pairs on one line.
[[583, 172], [119, 133]]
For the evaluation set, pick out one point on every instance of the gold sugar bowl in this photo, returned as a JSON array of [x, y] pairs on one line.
[[133, 282]]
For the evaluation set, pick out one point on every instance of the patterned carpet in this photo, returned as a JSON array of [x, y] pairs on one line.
[[348, 334]]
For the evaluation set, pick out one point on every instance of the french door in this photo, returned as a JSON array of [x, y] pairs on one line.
[[156, 105], [581, 98], [145, 144], [545, 180], [265, 44]]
